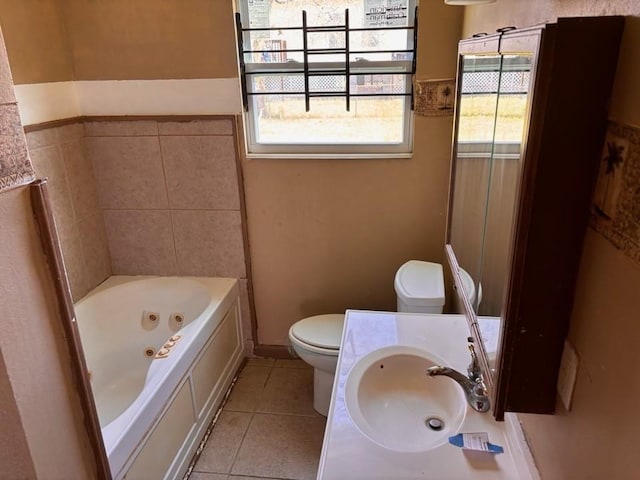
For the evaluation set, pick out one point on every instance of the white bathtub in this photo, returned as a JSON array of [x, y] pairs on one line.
[[153, 411]]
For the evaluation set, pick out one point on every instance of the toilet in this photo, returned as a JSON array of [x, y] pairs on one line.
[[316, 340]]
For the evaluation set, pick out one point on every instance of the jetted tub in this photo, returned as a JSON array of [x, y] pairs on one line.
[[161, 353]]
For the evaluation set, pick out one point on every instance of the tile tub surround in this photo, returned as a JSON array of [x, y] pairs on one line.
[[59, 154], [268, 428], [146, 196], [170, 191]]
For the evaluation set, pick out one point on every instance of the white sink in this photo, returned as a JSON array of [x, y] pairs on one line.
[[391, 399]]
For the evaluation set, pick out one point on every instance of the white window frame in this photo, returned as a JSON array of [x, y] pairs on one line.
[[403, 149]]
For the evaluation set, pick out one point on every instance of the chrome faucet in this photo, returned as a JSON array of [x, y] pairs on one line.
[[472, 384]]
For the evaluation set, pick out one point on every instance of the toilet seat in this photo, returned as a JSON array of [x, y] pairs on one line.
[[320, 334]]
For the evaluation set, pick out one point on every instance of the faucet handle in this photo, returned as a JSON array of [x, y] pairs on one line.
[[474, 370]]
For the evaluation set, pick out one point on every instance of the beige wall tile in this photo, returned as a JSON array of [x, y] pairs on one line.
[[201, 172], [41, 138], [281, 446], [245, 310], [48, 163], [196, 127], [121, 128], [71, 132], [128, 172], [74, 262], [140, 242], [209, 243], [81, 180], [95, 250]]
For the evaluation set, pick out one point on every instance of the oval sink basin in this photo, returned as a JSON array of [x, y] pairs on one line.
[[394, 402]]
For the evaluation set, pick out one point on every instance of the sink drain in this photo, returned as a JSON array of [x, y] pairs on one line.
[[434, 423]]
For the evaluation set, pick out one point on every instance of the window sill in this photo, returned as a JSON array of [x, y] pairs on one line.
[[327, 156]]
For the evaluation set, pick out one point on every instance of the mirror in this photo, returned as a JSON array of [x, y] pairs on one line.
[[493, 105], [477, 103], [502, 197]]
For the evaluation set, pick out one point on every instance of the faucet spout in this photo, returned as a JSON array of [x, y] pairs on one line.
[[473, 387]]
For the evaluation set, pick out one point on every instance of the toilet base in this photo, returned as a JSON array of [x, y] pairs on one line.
[[322, 388]]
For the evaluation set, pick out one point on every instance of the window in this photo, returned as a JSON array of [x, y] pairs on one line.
[[327, 78]]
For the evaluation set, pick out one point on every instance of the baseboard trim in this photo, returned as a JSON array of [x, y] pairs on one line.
[[519, 448], [272, 351]]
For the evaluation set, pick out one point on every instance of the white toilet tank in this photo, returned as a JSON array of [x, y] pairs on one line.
[[420, 287]]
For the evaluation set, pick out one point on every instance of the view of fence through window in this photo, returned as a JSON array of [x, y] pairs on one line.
[[280, 116], [483, 117]]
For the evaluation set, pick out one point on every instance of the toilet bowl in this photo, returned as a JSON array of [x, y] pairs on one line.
[[316, 340]]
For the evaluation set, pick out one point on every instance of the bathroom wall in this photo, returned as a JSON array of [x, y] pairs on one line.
[[151, 39], [59, 154], [42, 434], [323, 235], [597, 438], [327, 235], [36, 41], [60, 40]]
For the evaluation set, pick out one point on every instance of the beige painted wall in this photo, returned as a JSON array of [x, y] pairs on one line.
[[151, 39], [59, 40], [327, 235], [597, 439], [34, 351], [36, 41], [324, 235], [15, 457]]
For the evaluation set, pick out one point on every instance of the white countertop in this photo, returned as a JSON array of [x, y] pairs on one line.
[[348, 454]]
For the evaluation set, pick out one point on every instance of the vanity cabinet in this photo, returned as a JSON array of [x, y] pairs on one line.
[[531, 116]]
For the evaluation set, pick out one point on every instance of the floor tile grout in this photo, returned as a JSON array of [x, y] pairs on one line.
[[258, 391], [235, 455]]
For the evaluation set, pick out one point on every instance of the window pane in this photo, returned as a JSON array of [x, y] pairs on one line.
[[283, 120], [288, 13]]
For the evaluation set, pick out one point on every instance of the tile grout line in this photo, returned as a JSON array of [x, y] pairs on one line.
[[244, 436], [169, 209], [209, 431]]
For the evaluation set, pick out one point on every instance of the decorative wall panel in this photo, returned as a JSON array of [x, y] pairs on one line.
[[616, 202]]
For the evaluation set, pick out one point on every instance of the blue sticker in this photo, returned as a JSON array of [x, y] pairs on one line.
[[478, 442]]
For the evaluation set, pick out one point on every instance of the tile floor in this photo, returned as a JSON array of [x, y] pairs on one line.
[[268, 429]]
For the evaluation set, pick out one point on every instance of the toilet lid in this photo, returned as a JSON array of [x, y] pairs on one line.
[[324, 331]]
